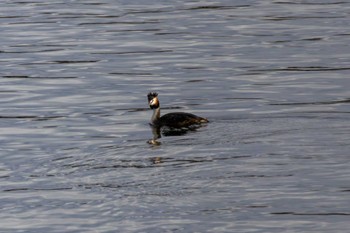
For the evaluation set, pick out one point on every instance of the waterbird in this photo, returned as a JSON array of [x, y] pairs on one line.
[[174, 119]]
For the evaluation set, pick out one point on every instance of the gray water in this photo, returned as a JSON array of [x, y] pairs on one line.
[[271, 76]]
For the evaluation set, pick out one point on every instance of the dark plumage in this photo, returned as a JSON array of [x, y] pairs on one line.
[[180, 120], [151, 95]]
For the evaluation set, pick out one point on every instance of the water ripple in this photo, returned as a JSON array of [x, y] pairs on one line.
[[271, 76]]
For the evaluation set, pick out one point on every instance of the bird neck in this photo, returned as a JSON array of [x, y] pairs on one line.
[[155, 116]]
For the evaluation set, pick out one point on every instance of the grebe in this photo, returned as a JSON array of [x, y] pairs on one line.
[[171, 120]]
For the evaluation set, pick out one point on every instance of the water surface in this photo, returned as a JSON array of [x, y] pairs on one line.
[[271, 76]]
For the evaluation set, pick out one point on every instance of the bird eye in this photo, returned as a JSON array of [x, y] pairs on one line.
[[154, 102]]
